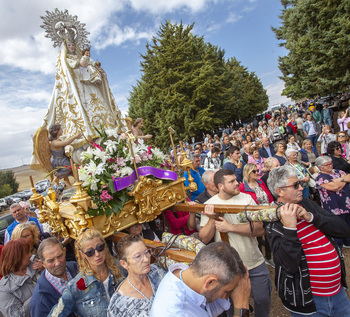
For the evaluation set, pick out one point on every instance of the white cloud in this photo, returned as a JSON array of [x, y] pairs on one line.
[[233, 17], [274, 91], [158, 7]]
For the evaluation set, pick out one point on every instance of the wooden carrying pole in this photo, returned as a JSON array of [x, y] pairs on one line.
[[220, 209], [176, 255]]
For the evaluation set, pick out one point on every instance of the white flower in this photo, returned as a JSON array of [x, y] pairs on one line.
[[101, 155], [158, 153], [87, 155], [100, 168], [112, 133], [91, 168], [125, 171], [111, 146]]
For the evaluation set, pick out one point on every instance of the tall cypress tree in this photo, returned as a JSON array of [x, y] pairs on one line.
[[187, 84], [317, 35]]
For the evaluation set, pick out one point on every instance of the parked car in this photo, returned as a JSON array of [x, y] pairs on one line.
[[27, 193], [3, 204], [42, 185], [9, 200], [5, 221], [15, 199]]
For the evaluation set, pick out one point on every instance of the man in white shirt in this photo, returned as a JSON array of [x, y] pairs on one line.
[[202, 289], [240, 237]]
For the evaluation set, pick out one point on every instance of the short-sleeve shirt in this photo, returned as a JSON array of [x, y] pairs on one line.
[[246, 247]]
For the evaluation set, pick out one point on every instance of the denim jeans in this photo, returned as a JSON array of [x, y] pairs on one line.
[[313, 139], [337, 305]]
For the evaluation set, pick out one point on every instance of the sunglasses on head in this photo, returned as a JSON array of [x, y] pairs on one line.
[[295, 185], [91, 252]]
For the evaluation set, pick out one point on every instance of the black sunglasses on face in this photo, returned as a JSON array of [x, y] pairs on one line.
[[295, 185], [254, 171], [91, 252]]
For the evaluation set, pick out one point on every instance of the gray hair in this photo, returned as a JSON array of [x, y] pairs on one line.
[[49, 242], [289, 152], [269, 161], [207, 177], [278, 178], [14, 205], [220, 259], [322, 160]]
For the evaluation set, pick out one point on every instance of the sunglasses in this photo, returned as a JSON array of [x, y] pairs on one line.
[[341, 136], [338, 148], [295, 185], [91, 252], [254, 171]]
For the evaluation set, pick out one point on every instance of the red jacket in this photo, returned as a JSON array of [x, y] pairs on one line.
[[294, 127], [244, 188]]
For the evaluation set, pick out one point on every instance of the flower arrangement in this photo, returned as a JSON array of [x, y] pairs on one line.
[[110, 158]]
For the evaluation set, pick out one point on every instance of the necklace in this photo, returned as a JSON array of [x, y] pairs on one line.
[[181, 276], [138, 290]]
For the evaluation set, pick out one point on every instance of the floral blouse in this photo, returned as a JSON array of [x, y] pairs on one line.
[[337, 202]]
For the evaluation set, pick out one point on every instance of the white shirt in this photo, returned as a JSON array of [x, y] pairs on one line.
[[175, 298], [246, 247]]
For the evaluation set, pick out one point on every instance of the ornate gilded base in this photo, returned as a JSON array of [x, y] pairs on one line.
[[150, 198]]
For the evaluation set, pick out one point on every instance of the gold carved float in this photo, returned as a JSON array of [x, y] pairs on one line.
[[147, 200]]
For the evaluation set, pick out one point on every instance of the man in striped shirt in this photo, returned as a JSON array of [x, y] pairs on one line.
[[310, 274]]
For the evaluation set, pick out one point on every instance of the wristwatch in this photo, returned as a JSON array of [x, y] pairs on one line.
[[241, 312]]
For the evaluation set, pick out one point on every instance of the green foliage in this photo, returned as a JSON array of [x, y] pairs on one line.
[[317, 35], [5, 190], [8, 183], [187, 84]]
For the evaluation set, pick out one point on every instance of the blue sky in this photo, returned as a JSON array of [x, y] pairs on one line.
[[119, 31]]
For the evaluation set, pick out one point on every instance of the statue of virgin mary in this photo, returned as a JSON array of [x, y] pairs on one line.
[[77, 105]]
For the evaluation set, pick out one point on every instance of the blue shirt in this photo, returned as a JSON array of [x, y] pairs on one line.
[[10, 228], [197, 175], [175, 298]]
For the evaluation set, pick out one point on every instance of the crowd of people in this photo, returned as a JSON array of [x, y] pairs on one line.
[[287, 158]]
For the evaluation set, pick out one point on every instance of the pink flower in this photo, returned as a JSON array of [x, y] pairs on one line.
[[120, 161], [123, 136], [105, 196], [149, 150], [137, 159], [112, 160]]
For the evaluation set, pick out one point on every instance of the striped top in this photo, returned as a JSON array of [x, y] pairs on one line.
[[322, 259]]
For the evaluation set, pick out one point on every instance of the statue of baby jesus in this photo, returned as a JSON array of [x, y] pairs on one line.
[[88, 70]]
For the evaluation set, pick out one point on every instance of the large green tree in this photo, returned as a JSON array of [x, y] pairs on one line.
[[186, 83], [316, 34]]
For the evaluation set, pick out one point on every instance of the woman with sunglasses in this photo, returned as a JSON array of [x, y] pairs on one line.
[[258, 190], [135, 295], [335, 151], [89, 293], [334, 189], [342, 138]]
